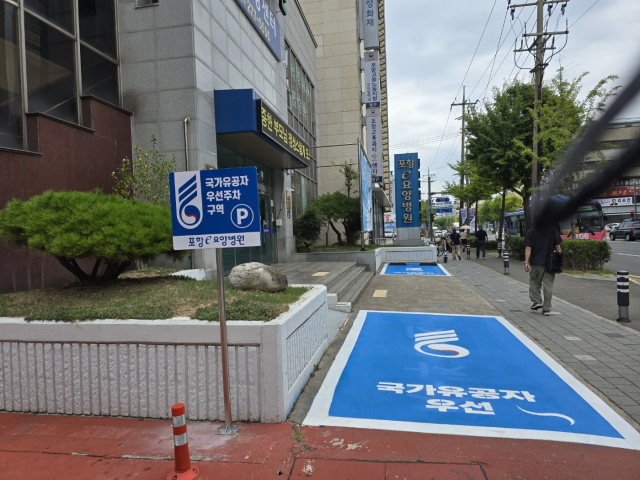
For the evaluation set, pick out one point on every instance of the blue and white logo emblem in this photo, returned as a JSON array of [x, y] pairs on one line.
[[189, 204], [437, 341]]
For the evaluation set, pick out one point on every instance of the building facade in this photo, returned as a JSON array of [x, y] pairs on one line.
[[340, 57], [220, 83]]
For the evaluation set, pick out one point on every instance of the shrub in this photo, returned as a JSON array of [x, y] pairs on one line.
[[585, 254], [515, 247], [491, 244], [76, 225], [307, 228], [146, 177]]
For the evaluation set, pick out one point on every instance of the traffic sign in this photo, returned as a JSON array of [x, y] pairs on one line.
[[215, 208], [463, 375]]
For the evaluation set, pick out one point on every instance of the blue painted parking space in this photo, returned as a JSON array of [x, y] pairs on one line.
[[414, 269], [459, 374]]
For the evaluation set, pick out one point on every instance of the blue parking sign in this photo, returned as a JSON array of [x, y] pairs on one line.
[[215, 208]]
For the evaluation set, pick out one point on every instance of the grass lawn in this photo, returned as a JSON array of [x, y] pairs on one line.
[[145, 294]]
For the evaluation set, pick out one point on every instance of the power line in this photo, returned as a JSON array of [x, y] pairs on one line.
[[424, 141], [465, 77], [585, 12]]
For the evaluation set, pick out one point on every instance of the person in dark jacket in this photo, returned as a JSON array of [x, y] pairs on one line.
[[539, 242], [454, 241], [481, 243]]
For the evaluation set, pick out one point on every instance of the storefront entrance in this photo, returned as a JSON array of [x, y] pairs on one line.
[[268, 251]]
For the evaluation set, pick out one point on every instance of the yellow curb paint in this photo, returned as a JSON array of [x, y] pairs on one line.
[[380, 294]]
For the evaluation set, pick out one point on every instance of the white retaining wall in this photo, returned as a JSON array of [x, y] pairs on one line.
[[139, 368], [427, 254]]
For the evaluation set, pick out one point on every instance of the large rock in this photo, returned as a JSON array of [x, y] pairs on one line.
[[257, 276]]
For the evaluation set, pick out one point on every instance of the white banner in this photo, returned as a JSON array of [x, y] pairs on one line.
[[612, 202], [374, 142], [368, 19], [371, 79]]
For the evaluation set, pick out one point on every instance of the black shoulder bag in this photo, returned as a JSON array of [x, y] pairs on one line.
[[554, 262]]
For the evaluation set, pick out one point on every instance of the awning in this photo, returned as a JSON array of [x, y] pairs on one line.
[[380, 195], [246, 124]]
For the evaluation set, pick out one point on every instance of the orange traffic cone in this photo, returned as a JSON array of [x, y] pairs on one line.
[[182, 470]]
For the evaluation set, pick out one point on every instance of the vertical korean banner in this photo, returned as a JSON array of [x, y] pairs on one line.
[[368, 22], [407, 190], [374, 142], [366, 194]]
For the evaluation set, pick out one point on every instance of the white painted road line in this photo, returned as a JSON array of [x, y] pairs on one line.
[[628, 254]]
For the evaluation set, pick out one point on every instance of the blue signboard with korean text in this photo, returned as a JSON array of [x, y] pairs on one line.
[[407, 178], [462, 375], [367, 192], [215, 208], [264, 21]]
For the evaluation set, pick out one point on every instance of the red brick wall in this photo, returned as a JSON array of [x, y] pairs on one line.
[[72, 158]]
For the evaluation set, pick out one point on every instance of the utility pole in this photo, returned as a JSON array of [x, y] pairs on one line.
[[541, 38], [429, 219], [462, 175]]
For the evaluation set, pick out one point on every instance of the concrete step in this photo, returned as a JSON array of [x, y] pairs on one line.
[[356, 289], [336, 277], [346, 282]]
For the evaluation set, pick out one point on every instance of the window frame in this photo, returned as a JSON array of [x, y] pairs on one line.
[[78, 42]]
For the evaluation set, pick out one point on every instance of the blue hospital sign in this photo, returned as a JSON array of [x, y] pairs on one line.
[[215, 208], [463, 375], [407, 172]]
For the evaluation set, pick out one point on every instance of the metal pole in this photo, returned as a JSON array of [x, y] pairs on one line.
[[429, 204], [505, 257], [227, 428], [635, 201], [536, 100], [361, 198], [623, 296], [462, 155], [468, 250]]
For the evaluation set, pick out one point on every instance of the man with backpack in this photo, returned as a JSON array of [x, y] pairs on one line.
[[539, 243]]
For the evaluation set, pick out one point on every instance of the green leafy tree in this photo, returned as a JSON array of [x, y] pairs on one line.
[[442, 222], [337, 207], [491, 210], [351, 176], [89, 225], [146, 177], [307, 228], [477, 189]]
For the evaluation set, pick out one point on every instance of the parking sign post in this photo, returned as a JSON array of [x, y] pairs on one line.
[[217, 209]]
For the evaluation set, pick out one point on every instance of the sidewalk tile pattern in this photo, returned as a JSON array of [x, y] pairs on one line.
[[608, 355]]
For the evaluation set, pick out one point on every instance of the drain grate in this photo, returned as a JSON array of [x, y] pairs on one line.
[[380, 294]]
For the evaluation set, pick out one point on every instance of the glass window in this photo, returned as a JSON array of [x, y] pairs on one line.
[[10, 90], [99, 76], [228, 158], [98, 25], [51, 82], [59, 12]]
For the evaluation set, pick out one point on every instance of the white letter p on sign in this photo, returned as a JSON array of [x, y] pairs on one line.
[[242, 216]]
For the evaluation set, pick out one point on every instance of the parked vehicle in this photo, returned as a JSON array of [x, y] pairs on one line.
[[588, 222], [629, 230]]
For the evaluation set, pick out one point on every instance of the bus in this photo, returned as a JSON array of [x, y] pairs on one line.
[[589, 221]]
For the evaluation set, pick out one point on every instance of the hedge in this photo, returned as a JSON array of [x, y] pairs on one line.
[[577, 254], [491, 244]]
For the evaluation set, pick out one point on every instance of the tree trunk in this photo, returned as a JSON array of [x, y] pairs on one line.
[[73, 267], [504, 194], [476, 222], [528, 220], [337, 233]]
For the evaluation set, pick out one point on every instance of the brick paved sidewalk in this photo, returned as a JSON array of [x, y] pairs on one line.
[[604, 353]]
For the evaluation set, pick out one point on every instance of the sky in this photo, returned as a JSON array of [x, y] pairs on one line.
[[430, 55]]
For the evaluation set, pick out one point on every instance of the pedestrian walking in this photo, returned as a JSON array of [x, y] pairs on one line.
[[539, 243], [454, 241], [481, 243]]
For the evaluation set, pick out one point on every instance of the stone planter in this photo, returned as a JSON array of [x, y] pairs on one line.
[[139, 368]]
